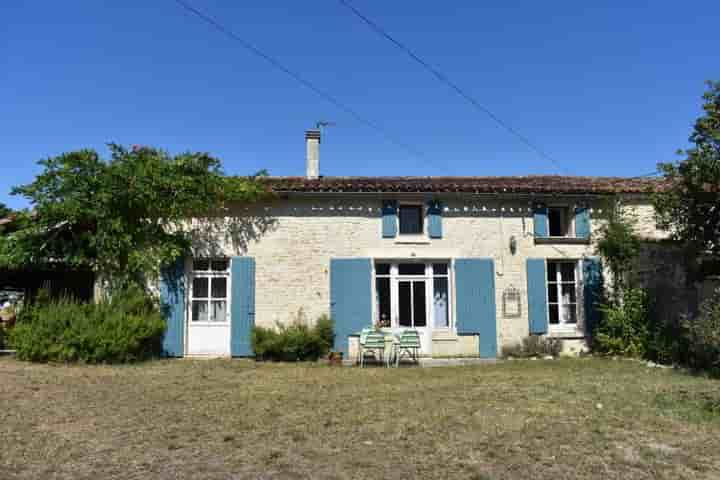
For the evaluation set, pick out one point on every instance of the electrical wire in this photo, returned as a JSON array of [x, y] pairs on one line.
[[444, 79], [300, 79]]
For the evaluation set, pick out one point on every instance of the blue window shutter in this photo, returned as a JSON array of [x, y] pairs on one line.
[[389, 219], [540, 221], [592, 292], [582, 222], [242, 307], [475, 302], [172, 301], [537, 296], [350, 298], [435, 219]]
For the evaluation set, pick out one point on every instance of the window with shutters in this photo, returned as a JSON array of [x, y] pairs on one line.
[[411, 219], [563, 292], [209, 290], [559, 222]]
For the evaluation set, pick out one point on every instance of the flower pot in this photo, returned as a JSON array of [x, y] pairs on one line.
[[335, 358]]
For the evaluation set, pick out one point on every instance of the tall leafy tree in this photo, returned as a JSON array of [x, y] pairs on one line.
[[123, 217], [4, 210], [689, 206], [619, 245]]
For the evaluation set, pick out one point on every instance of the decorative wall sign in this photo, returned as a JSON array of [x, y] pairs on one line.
[[512, 307]]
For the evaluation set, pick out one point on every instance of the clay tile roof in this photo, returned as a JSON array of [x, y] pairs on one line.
[[540, 184]]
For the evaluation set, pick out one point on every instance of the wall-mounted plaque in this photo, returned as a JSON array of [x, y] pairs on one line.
[[511, 304]]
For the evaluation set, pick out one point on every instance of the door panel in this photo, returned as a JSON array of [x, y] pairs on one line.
[[419, 311], [405, 304], [209, 339]]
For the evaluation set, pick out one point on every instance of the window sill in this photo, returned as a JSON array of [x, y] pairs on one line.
[[562, 240], [412, 240], [566, 333]]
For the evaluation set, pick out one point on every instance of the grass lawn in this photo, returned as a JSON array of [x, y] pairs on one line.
[[583, 418]]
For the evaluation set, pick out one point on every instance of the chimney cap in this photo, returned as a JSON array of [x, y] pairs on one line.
[[312, 133]]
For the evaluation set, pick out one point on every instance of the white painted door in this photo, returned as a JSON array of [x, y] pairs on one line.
[[412, 305], [208, 331]]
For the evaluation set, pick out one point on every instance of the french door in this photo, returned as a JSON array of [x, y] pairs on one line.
[[208, 331], [413, 295]]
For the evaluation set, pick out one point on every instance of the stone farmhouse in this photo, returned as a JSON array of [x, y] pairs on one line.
[[472, 263]]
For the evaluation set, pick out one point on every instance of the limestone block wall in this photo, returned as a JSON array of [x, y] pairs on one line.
[[293, 240]]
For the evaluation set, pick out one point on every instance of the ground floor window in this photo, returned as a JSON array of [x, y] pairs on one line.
[[562, 288], [209, 291], [412, 294]]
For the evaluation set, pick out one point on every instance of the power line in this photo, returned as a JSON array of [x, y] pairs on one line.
[[277, 64], [443, 78]]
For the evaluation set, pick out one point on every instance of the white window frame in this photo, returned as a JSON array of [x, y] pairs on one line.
[[210, 274], [568, 220], [423, 220], [565, 326], [428, 276]]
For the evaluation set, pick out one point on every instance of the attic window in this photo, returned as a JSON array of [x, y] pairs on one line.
[[411, 219], [558, 221]]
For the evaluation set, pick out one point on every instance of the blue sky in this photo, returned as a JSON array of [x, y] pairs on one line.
[[605, 89]]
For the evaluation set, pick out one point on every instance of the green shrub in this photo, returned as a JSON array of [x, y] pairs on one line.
[[702, 337], [666, 342], [534, 346], [623, 329], [126, 328], [325, 328], [294, 342]]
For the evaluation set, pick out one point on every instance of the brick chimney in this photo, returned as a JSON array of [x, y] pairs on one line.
[[312, 161]]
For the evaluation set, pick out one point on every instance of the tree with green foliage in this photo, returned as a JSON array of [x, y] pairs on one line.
[[689, 206], [4, 210], [618, 244], [123, 217], [623, 329]]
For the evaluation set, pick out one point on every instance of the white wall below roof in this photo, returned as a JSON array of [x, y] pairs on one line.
[[302, 235]]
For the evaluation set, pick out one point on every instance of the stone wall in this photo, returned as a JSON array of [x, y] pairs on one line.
[[293, 240]]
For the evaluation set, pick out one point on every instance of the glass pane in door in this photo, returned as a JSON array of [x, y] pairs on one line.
[[419, 304], [219, 287], [382, 301], [199, 311], [411, 269], [200, 287], [405, 304], [219, 311], [440, 302]]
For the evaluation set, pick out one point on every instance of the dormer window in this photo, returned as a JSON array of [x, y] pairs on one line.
[[561, 223], [411, 219], [558, 219]]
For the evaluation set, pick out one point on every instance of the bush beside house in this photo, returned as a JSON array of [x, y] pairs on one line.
[[295, 342], [702, 336], [126, 328], [534, 346], [630, 325]]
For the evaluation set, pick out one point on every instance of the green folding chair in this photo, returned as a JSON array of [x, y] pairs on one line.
[[373, 344], [363, 335], [409, 344]]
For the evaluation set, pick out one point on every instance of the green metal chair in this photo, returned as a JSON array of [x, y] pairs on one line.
[[409, 344], [372, 343], [363, 335]]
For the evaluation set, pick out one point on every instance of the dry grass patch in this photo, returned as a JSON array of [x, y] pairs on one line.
[[240, 419]]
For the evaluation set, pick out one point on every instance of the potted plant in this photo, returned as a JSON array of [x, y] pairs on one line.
[[335, 358]]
